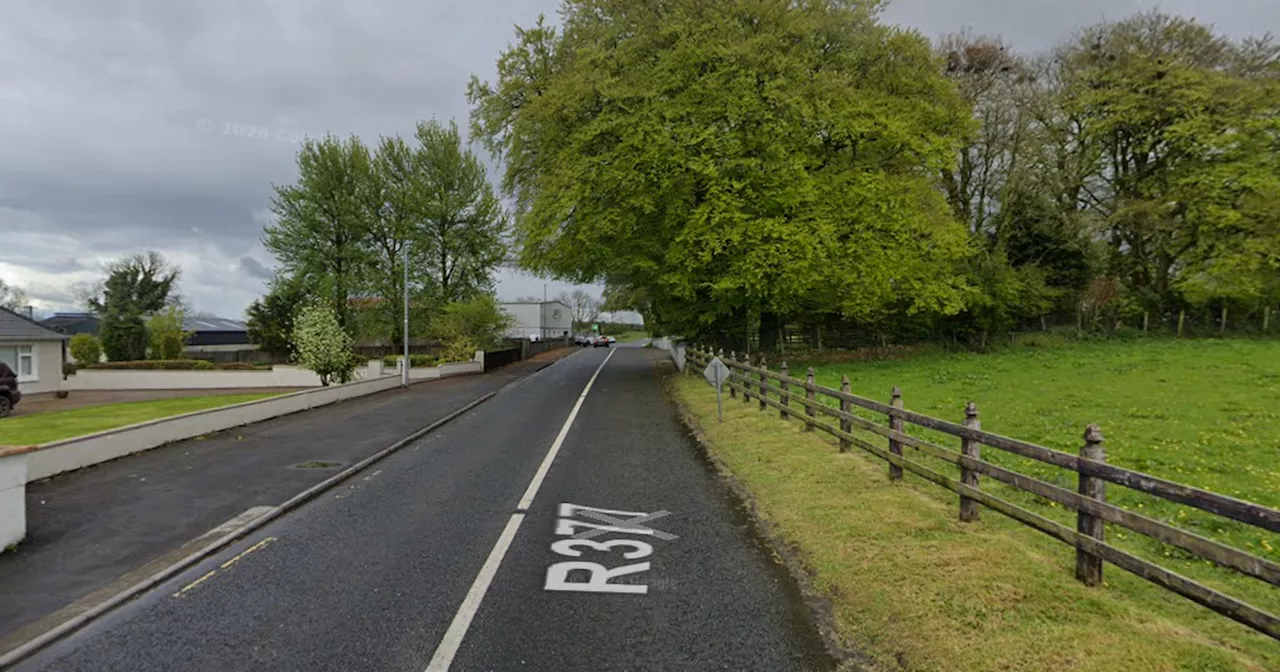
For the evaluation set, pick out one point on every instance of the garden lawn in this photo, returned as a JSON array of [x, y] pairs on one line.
[[912, 588], [41, 428]]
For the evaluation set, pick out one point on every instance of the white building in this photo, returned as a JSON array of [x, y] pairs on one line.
[[543, 319]]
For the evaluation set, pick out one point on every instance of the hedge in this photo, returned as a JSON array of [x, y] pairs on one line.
[[179, 365], [415, 361]]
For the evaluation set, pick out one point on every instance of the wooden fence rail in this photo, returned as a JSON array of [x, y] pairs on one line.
[[1088, 500]]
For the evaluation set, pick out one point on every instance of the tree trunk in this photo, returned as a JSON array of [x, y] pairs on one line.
[[770, 323]]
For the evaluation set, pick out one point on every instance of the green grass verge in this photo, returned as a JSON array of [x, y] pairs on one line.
[[41, 428], [918, 590]]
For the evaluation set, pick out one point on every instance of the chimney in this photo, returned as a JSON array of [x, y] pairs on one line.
[[31, 312]]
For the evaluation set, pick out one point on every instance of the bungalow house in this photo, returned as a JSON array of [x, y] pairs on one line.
[[34, 352]]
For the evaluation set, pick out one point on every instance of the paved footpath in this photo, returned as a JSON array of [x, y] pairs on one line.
[[98, 530], [569, 523]]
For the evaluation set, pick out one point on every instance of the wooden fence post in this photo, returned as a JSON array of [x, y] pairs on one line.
[[895, 423], [809, 394], [1222, 328], [764, 381], [969, 510], [1266, 318], [1182, 317], [1088, 566], [746, 386], [847, 407], [1146, 317], [733, 357], [784, 397]]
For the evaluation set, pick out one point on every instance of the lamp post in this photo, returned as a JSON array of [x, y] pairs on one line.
[[404, 363]]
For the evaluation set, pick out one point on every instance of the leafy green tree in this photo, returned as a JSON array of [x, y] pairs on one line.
[[1186, 129], [136, 287], [86, 349], [731, 159], [322, 345], [462, 227], [270, 317], [166, 334], [323, 232], [467, 326], [12, 297]]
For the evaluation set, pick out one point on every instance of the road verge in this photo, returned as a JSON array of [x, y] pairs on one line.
[[915, 589]]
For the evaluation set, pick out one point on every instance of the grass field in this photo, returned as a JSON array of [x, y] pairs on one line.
[[1204, 413], [57, 425], [632, 336]]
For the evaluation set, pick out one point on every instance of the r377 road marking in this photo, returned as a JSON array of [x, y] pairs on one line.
[[598, 576]]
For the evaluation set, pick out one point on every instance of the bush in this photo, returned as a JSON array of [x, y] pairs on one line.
[[165, 335], [415, 361], [157, 365], [86, 349], [322, 345]]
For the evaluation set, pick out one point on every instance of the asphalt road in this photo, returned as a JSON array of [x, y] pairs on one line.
[[437, 559]]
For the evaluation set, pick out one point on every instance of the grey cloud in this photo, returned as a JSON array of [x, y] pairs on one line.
[[255, 268]]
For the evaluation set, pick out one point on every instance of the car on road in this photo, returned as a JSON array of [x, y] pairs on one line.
[[9, 393], [597, 341], [612, 339]]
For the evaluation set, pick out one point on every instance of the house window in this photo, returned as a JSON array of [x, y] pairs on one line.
[[22, 359]]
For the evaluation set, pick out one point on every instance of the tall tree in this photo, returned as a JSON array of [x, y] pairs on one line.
[[1185, 125], [462, 228], [323, 232], [398, 209], [12, 297], [761, 157], [135, 288]]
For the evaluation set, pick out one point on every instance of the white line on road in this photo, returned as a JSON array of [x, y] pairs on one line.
[[453, 637]]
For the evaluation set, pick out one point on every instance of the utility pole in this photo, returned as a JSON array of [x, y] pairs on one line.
[[404, 363]]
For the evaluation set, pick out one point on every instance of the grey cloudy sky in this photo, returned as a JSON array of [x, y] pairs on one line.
[[162, 124]]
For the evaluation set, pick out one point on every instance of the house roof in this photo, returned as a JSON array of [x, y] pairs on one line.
[[207, 324], [15, 327], [61, 320]]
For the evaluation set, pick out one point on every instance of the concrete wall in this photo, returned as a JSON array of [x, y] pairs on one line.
[[13, 504], [277, 376], [60, 456]]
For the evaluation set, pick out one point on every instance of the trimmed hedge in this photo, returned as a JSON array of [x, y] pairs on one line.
[[179, 365], [415, 361]]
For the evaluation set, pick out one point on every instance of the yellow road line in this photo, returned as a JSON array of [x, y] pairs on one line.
[[195, 583], [247, 551], [256, 547]]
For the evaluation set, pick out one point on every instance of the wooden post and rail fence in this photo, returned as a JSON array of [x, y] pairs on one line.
[[1088, 500]]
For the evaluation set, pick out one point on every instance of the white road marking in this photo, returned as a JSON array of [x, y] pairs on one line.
[[452, 641]]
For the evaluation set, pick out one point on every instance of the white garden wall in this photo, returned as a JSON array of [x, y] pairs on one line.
[[13, 499]]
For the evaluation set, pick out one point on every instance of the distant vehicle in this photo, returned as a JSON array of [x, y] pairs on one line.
[[597, 341], [611, 339], [9, 394], [582, 339]]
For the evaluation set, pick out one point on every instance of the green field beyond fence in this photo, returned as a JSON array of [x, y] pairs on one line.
[[1204, 414]]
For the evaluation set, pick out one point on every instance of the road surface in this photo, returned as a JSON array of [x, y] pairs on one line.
[[459, 552]]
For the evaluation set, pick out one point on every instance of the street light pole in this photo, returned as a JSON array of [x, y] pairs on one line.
[[404, 363]]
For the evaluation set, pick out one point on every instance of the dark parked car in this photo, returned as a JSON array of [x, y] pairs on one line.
[[9, 394]]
